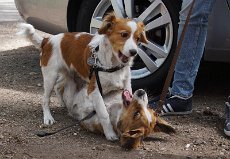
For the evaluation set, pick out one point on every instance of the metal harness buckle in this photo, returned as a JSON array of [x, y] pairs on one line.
[[92, 60]]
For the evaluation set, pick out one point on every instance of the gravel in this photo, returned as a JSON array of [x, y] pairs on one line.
[[199, 135]]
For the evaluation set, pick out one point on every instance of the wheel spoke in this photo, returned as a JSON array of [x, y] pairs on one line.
[[149, 10], [129, 7], [150, 64], [161, 21], [156, 50], [158, 22], [118, 8], [95, 23]]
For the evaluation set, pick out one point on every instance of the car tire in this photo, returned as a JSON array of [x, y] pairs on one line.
[[85, 14], [154, 81]]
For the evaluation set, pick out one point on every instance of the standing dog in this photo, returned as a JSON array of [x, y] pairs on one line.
[[65, 53]]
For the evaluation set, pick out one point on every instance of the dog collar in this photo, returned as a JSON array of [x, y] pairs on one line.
[[93, 63], [94, 67]]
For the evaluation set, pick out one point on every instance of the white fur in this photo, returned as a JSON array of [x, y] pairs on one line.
[[143, 101], [29, 31], [118, 80], [82, 105], [56, 67], [50, 74], [130, 44], [105, 48]]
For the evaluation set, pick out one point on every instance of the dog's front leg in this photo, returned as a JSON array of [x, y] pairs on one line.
[[127, 82], [103, 115]]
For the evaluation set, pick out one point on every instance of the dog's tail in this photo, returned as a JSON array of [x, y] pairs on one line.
[[28, 31]]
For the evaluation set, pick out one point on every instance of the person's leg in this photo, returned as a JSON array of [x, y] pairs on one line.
[[227, 122], [192, 48], [189, 58]]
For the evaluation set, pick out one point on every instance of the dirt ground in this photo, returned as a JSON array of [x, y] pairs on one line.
[[199, 135]]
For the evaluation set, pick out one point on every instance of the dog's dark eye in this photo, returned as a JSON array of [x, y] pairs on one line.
[[136, 114], [124, 35]]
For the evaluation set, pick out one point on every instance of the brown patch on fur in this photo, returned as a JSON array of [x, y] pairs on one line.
[[75, 51], [163, 126], [108, 23], [129, 143], [133, 125], [95, 128], [132, 121], [98, 128], [139, 35], [92, 84], [46, 52], [114, 28], [80, 83], [153, 123], [114, 35]]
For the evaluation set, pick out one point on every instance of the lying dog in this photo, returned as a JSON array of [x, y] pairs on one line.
[[129, 114], [69, 53]]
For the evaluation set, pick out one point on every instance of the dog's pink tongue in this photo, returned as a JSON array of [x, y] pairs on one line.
[[127, 96]]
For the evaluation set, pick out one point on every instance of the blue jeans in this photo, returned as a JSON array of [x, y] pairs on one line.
[[193, 46]]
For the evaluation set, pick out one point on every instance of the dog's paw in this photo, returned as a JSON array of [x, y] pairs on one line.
[[49, 120], [111, 136]]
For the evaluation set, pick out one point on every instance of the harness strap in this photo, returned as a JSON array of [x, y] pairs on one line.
[[110, 70], [94, 68], [98, 82], [97, 69], [44, 133]]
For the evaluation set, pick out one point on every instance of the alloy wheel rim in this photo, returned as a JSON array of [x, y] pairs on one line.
[[158, 25]]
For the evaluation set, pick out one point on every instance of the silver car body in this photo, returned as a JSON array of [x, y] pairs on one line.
[[51, 16], [46, 15]]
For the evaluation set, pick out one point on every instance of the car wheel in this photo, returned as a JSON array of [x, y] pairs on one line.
[[161, 20]]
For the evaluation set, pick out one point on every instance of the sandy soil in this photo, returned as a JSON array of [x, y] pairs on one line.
[[199, 135]]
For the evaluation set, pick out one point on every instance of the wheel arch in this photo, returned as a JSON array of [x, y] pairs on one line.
[[72, 13], [77, 10]]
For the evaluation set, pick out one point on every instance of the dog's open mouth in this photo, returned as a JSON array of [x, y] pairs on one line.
[[123, 58], [127, 97]]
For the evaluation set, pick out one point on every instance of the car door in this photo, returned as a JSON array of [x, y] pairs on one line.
[[45, 15], [218, 39]]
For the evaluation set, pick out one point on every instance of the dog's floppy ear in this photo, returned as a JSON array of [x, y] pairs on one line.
[[133, 133], [107, 24], [132, 138], [143, 37], [163, 126]]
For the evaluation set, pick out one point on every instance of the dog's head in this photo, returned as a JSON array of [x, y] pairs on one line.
[[124, 35], [137, 121]]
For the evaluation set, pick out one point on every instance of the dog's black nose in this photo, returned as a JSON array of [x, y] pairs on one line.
[[133, 52], [140, 92]]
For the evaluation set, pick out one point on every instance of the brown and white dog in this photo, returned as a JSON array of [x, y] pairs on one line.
[[65, 53], [129, 114]]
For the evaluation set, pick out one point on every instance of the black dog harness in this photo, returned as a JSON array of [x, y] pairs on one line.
[[93, 63], [95, 68]]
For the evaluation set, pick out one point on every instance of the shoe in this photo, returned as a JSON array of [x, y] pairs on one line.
[[153, 102], [227, 122], [174, 105]]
